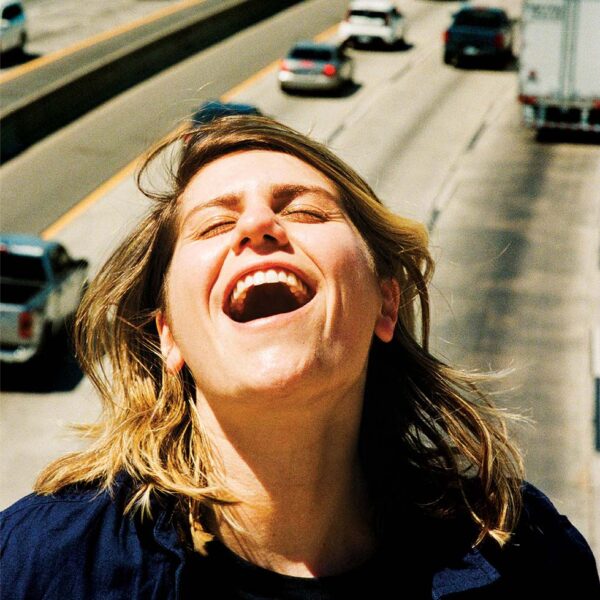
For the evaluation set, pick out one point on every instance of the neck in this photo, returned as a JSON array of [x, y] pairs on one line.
[[303, 505]]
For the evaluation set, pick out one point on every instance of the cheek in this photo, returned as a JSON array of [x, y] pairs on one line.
[[191, 278], [352, 262], [349, 271]]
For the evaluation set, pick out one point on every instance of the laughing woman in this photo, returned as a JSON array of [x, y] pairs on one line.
[[274, 425]]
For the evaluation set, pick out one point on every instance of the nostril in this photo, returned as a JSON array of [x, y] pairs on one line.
[[246, 241]]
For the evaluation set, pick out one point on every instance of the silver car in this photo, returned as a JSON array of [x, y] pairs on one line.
[[313, 66]]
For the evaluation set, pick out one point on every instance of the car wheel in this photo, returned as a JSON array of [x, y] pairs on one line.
[[448, 59], [45, 346]]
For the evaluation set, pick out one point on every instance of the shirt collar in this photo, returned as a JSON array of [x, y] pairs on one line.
[[471, 572], [468, 572]]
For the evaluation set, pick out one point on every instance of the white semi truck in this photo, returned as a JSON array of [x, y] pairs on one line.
[[559, 64]]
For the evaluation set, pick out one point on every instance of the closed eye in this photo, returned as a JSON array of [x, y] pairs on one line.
[[301, 213], [214, 227]]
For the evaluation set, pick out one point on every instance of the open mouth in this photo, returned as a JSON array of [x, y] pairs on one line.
[[266, 293]]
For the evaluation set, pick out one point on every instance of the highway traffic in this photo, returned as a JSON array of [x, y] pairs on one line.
[[514, 222]]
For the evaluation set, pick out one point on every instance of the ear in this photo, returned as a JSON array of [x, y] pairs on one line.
[[388, 315], [168, 345]]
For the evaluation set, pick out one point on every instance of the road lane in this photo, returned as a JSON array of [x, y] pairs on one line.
[[53, 25], [517, 287], [50, 177]]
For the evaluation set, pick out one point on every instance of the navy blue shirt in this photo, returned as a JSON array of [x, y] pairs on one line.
[[79, 544]]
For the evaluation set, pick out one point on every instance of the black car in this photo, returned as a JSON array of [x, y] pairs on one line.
[[478, 33]]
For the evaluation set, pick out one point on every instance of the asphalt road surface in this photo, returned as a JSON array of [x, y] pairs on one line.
[[515, 227], [56, 24]]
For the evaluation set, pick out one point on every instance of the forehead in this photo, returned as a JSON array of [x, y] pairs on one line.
[[242, 172]]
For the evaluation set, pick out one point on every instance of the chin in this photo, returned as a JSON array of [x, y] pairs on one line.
[[278, 374]]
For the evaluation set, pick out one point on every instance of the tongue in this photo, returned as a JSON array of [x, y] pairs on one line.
[[267, 300]]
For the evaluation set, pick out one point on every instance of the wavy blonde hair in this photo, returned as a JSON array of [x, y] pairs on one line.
[[425, 424]]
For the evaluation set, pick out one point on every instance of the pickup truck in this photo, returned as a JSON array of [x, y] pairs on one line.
[[479, 33], [40, 289]]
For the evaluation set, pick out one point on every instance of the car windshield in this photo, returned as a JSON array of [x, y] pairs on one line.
[[23, 268], [319, 54], [12, 11], [211, 111], [369, 14], [480, 19]]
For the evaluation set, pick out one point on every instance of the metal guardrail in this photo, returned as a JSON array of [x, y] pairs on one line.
[[595, 366], [64, 90]]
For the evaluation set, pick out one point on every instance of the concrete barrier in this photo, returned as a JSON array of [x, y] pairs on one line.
[[77, 83], [595, 368]]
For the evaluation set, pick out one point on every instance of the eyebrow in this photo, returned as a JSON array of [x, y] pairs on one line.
[[282, 193]]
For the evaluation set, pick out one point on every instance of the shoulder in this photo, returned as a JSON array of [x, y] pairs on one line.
[[77, 540], [546, 552], [57, 519], [541, 523], [66, 500]]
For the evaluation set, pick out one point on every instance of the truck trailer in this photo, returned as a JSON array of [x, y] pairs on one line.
[[559, 64]]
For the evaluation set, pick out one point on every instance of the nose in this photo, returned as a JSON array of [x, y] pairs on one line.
[[258, 228]]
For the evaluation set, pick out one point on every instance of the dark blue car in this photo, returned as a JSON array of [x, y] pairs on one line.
[[213, 109], [478, 33]]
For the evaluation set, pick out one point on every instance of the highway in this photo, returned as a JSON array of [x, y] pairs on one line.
[[514, 224]]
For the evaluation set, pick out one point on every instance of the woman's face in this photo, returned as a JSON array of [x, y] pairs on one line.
[[271, 292]]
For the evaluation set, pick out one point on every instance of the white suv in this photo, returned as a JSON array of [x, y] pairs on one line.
[[373, 21], [13, 28]]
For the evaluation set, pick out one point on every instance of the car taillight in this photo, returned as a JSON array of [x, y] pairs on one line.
[[596, 104], [446, 36], [329, 70], [283, 66], [527, 99], [499, 40], [25, 325]]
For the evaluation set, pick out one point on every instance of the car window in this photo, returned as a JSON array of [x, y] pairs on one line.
[[369, 14], [480, 19], [320, 54], [12, 11], [15, 266]]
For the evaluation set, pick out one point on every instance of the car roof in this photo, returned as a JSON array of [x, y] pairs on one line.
[[32, 243], [213, 109], [309, 44], [482, 9], [382, 5]]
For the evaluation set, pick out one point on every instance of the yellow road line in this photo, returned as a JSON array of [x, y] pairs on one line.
[[89, 200], [36, 63], [126, 171], [234, 91], [324, 35]]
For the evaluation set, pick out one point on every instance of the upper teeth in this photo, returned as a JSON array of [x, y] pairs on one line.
[[296, 286]]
